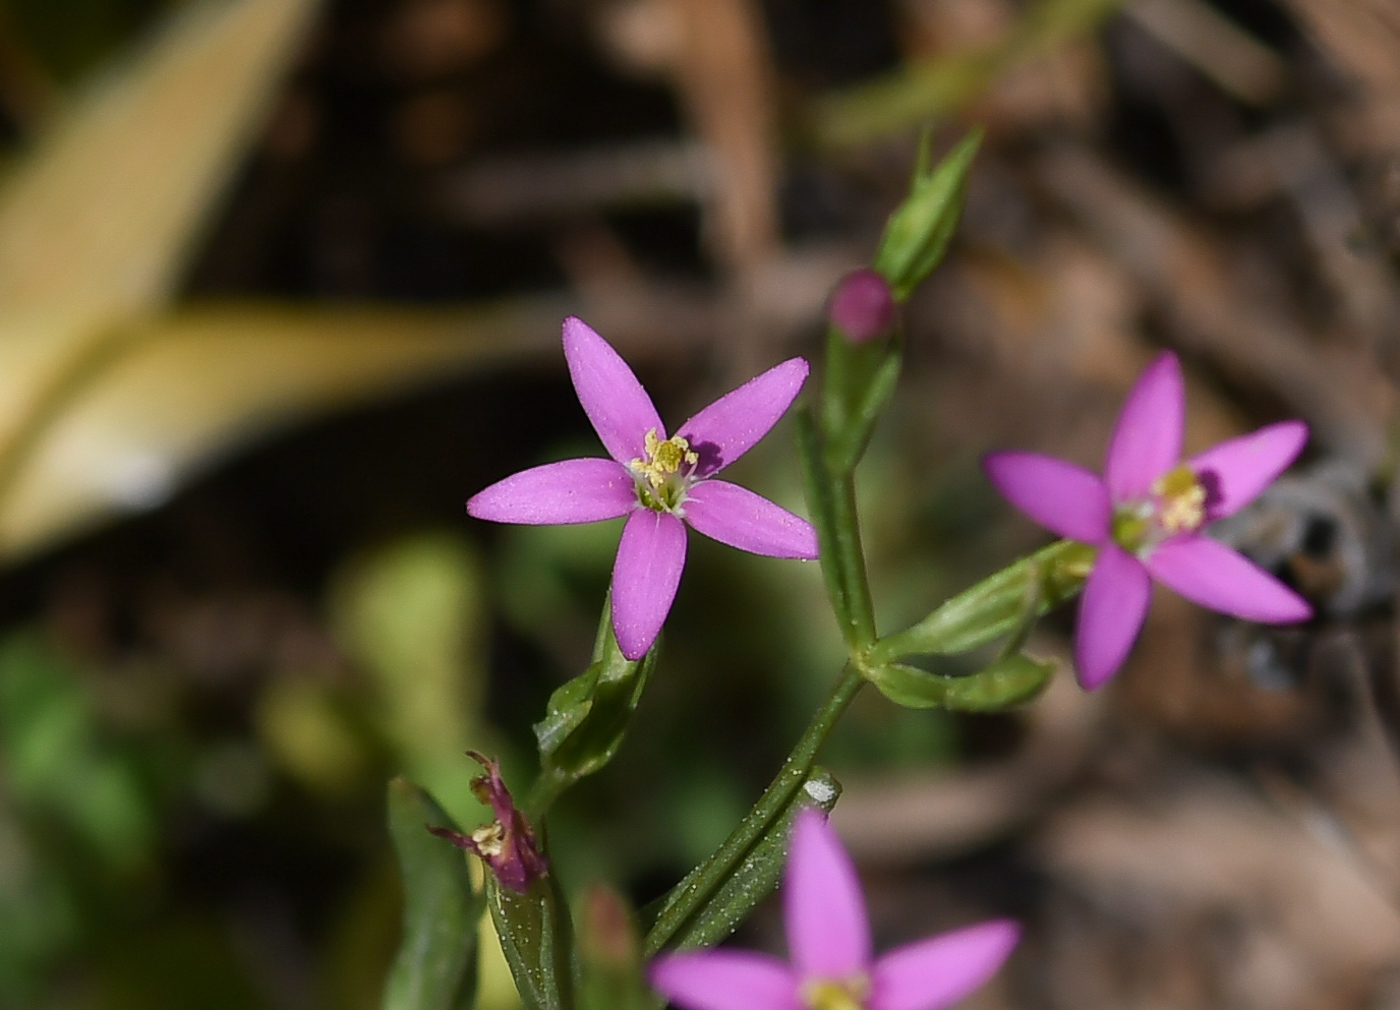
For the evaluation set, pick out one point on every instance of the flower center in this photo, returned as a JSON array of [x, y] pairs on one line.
[[490, 839], [1179, 502], [829, 994], [663, 474]]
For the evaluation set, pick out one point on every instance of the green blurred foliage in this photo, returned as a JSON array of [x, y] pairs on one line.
[[411, 614]]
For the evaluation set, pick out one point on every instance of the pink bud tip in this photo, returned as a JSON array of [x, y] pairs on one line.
[[863, 306]]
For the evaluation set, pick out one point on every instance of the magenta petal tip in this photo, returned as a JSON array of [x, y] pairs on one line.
[[863, 306]]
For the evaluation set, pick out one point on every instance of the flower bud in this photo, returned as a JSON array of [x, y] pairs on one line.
[[507, 844], [918, 231], [862, 306], [608, 937]]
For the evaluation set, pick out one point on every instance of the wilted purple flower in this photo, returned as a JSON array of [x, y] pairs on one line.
[[1146, 516], [507, 844], [656, 481], [862, 306], [829, 945]]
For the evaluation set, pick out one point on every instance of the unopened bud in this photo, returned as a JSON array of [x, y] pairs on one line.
[[862, 306], [608, 937]]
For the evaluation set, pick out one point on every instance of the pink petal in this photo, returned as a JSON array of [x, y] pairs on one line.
[[650, 558], [571, 491], [1064, 498], [1243, 467], [1147, 441], [828, 934], [1111, 613], [734, 423], [736, 516], [941, 970], [1207, 572], [725, 980], [615, 402]]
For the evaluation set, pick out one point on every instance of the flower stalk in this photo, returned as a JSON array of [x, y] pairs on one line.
[[685, 903]]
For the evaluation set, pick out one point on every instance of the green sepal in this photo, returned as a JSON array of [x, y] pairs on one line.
[[436, 966], [610, 955], [754, 878], [587, 717], [537, 940], [1008, 681], [859, 382], [994, 607], [919, 230]]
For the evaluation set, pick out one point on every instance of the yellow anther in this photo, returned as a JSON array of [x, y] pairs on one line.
[[1181, 500], [490, 839], [663, 459], [827, 994]]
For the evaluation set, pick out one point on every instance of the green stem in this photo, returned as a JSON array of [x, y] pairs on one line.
[[702, 885], [850, 558], [547, 787], [831, 496]]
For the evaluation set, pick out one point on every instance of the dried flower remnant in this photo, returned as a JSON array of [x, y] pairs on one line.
[[1147, 515], [507, 844], [863, 306], [829, 943], [659, 482]]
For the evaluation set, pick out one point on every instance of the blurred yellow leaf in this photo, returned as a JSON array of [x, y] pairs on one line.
[[95, 222], [299, 722], [190, 385]]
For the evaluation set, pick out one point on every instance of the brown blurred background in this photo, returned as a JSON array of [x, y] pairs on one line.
[[280, 286]]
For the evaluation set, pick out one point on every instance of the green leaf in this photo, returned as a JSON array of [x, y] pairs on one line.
[[918, 231], [992, 608], [436, 967], [535, 937], [753, 879], [1009, 681], [587, 718]]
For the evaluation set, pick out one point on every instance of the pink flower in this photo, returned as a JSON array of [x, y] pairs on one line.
[[656, 481], [1147, 513], [829, 943]]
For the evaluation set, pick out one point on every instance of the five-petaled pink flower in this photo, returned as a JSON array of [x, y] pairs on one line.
[[1146, 516], [829, 943], [656, 481]]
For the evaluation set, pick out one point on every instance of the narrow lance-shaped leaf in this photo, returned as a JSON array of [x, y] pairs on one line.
[[753, 879], [1010, 680], [436, 967], [536, 939], [992, 608], [587, 718]]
